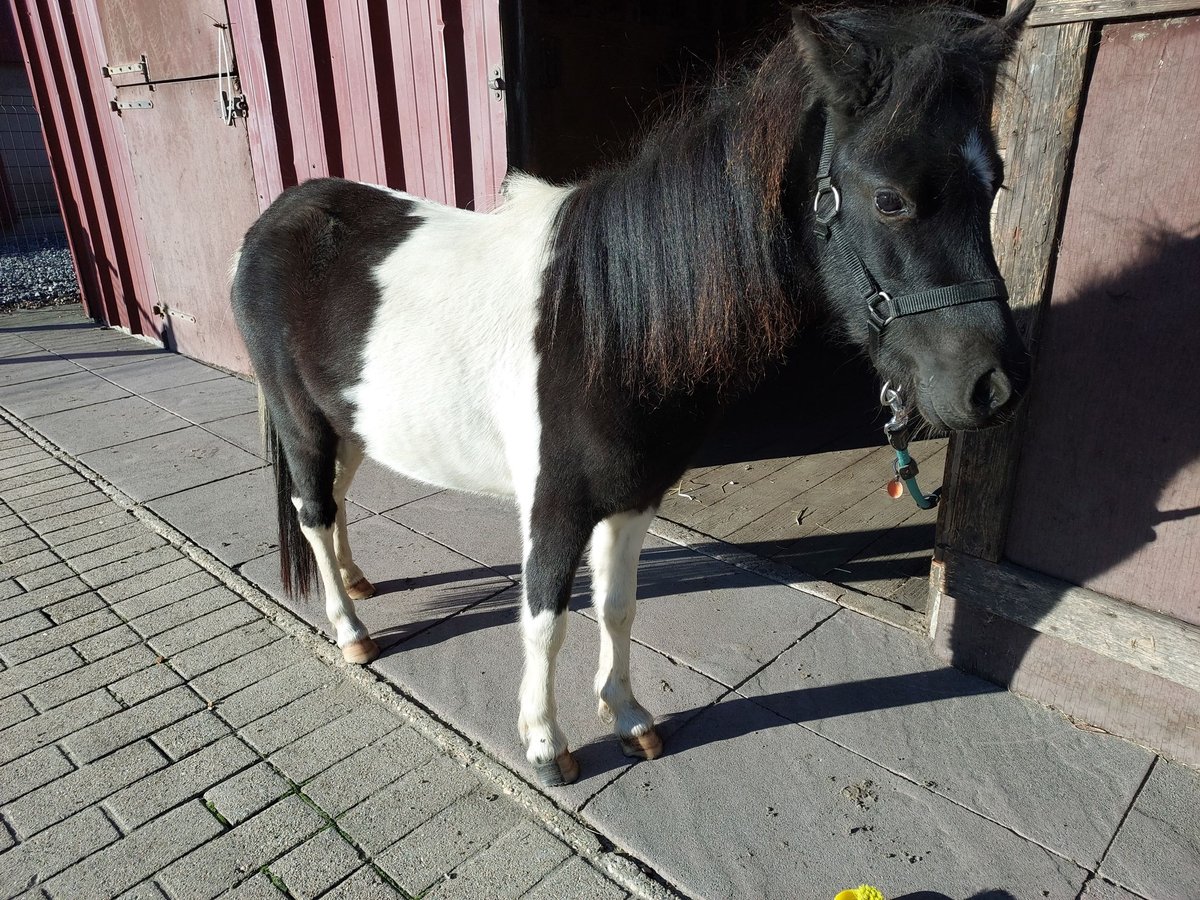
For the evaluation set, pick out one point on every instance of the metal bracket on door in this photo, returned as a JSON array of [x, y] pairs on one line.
[[119, 105], [110, 71], [496, 83], [161, 309]]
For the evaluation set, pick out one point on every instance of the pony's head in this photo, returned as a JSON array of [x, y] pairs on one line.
[[910, 184]]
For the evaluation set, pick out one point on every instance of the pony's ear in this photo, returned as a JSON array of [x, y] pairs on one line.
[[995, 41], [848, 70]]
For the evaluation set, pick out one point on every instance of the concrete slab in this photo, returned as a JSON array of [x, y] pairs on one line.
[[34, 366], [99, 356], [379, 489], [39, 398], [169, 463], [486, 529], [469, 669], [207, 401], [160, 371], [718, 619], [418, 582], [241, 431], [114, 422], [1157, 851], [874, 690], [746, 804]]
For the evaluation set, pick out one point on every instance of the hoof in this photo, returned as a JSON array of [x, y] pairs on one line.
[[360, 590], [559, 773], [644, 746], [359, 653]]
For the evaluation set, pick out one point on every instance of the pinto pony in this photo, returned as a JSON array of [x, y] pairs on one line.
[[571, 348]]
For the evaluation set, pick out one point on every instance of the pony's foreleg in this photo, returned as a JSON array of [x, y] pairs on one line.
[[351, 635], [349, 458], [616, 545], [551, 557]]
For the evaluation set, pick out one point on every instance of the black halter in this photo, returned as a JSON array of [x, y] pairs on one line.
[[883, 308]]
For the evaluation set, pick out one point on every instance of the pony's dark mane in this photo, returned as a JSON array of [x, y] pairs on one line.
[[680, 267]]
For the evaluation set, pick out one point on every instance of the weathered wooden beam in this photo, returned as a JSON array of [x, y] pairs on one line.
[[1150, 641], [1054, 12], [1038, 111]]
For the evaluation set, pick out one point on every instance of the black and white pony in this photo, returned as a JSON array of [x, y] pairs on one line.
[[571, 348]]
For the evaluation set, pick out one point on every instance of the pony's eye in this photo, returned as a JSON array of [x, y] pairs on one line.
[[889, 203]]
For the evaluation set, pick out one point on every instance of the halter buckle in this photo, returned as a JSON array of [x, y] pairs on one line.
[[826, 189], [879, 309]]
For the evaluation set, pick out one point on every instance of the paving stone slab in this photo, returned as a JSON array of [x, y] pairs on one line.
[[418, 582], [139, 855], [107, 643], [32, 367], [15, 550], [206, 401], [137, 541], [487, 529], [181, 780], [41, 487], [74, 608], [191, 584], [396, 809], [365, 884], [1099, 889], [1157, 851], [108, 424], [469, 669], [507, 869], [225, 648], [167, 463], [248, 792], [23, 626], [258, 887], [15, 709], [361, 774], [164, 575], [39, 398], [71, 543], [185, 611], [448, 839], [30, 772], [316, 865], [268, 695], [577, 880], [160, 371], [75, 504], [1011, 760], [70, 487], [126, 568], [53, 850], [45, 576], [27, 563], [313, 753], [88, 515], [64, 635], [144, 684], [17, 485], [42, 668], [230, 677], [222, 863], [83, 787], [189, 735], [139, 721], [378, 488], [757, 806], [294, 720]]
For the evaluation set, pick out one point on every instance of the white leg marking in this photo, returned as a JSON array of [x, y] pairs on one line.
[[616, 545], [543, 635], [338, 606], [349, 458]]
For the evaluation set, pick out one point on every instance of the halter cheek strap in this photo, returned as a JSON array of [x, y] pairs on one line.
[[882, 307]]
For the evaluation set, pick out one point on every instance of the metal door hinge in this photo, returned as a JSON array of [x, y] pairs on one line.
[[233, 106], [118, 105], [496, 83], [110, 71]]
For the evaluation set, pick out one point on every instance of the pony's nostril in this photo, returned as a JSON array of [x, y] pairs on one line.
[[991, 392]]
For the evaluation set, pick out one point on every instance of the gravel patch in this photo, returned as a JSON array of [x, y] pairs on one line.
[[36, 277]]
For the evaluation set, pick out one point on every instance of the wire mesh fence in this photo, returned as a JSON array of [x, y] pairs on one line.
[[35, 265]]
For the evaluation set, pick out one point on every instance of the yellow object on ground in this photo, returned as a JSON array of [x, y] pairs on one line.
[[862, 892]]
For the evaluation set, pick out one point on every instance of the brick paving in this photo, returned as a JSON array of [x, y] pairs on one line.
[[161, 736]]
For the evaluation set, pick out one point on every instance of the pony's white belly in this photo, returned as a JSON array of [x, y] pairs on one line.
[[448, 387]]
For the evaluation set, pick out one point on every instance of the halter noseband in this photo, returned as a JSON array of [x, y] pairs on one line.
[[882, 307]]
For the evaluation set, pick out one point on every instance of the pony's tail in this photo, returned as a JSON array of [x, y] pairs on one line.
[[297, 565]]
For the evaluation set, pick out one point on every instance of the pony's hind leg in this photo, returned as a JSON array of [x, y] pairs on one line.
[[349, 458], [552, 552], [616, 545]]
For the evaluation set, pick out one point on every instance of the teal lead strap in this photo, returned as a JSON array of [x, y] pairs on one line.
[[896, 431], [905, 463]]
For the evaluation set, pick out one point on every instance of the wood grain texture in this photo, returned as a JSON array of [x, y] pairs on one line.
[[1091, 688], [1051, 12], [1108, 491], [1112, 628], [1038, 112]]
